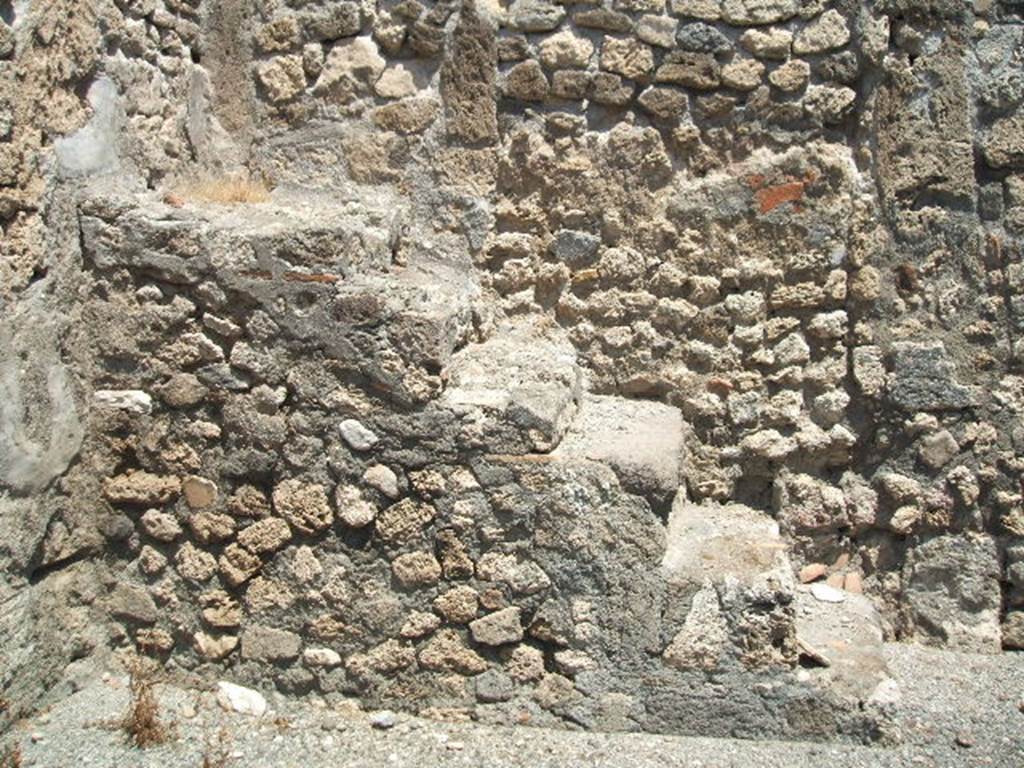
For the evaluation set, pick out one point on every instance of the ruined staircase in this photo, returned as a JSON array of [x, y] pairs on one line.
[[322, 263], [732, 615], [628, 606]]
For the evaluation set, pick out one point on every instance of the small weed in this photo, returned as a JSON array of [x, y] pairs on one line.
[[225, 190], [142, 722], [11, 757], [217, 750], [907, 278]]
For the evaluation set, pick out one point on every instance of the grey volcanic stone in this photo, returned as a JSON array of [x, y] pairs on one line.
[[923, 378], [261, 643], [577, 249], [535, 16], [702, 38], [338, 20], [493, 686], [132, 602]]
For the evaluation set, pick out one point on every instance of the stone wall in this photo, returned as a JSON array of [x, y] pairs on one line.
[[533, 280], [771, 215], [85, 88]]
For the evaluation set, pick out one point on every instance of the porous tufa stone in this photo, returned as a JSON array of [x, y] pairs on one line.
[[498, 628]]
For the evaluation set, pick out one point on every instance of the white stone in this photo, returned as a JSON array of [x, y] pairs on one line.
[[351, 65], [383, 479], [200, 493], [827, 594], [383, 720], [237, 698], [92, 149], [708, 10], [829, 325], [321, 657], [282, 77], [524, 578], [131, 400], [357, 436], [744, 12], [353, 509], [886, 692], [657, 30], [701, 641]]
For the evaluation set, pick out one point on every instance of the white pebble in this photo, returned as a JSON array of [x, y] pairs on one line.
[[357, 436], [827, 594]]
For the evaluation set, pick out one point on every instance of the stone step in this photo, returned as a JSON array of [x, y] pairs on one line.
[[840, 640], [522, 386], [641, 440], [405, 325], [729, 563], [725, 542], [297, 238], [319, 265]]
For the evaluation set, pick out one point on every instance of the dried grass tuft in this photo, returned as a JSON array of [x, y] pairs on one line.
[[226, 190], [217, 750], [142, 722]]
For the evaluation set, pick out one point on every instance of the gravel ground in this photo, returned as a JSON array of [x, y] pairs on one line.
[[956, 710]]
